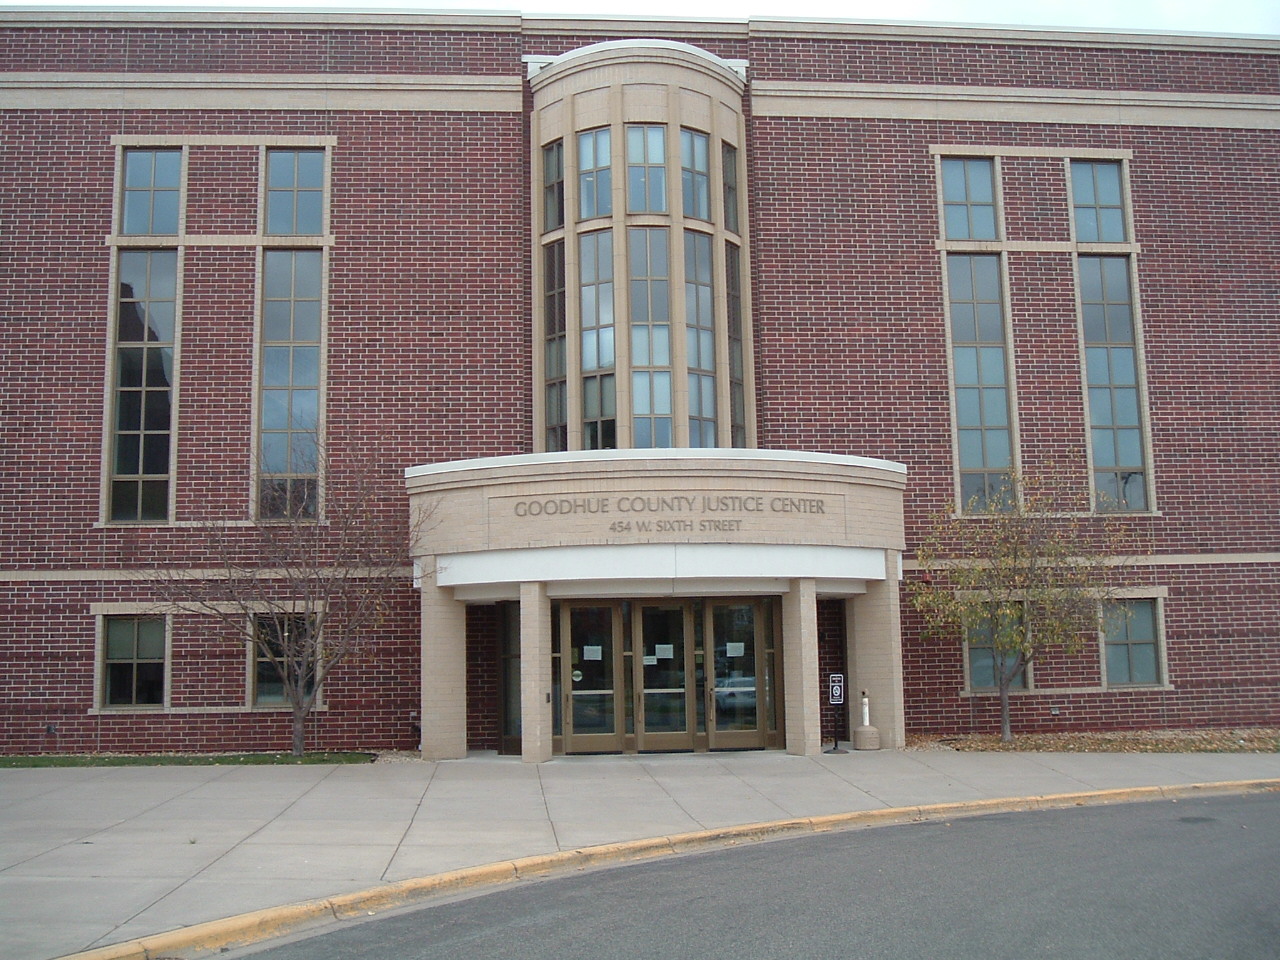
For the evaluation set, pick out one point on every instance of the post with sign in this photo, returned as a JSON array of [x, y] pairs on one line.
[[835, 697]]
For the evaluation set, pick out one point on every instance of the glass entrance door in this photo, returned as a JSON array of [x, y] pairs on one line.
[[665, 675], [740, 678], [590, 680], [666, 691]]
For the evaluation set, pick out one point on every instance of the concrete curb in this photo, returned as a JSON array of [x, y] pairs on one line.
[[249, 928]]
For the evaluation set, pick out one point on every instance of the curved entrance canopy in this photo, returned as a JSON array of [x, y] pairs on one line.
[[736, 540]]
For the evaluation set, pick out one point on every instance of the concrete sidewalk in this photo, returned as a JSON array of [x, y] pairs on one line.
[[95, 856]]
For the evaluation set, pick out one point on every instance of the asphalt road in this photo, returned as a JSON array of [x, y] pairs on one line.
[[1191, 879]]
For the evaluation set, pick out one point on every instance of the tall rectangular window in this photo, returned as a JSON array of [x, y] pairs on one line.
[[1111, 371], [279, 638], [295, 192], [289, 384], [646, 169], [980, 369], [133, 661], [737, 360], [1098, 202], [152, 185], [554, 360], [1131, 640], [650, 290], [553, 185], [729, 176], [599, 407], [700, 338], [595, 176], [695, 174], [146, 318], [968, 198]]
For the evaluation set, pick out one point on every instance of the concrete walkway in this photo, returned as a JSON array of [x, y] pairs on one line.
[[95, 856]]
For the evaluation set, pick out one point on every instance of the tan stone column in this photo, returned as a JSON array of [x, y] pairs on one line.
[[873, 631], [444, 671], [801, 703], [535, 673]]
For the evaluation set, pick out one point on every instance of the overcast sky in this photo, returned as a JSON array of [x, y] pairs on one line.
[[1193, 16]]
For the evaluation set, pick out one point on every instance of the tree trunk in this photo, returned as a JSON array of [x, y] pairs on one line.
[[1006, 728], [299, 731]]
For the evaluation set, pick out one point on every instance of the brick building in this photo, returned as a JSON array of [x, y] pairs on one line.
[[681, 331]]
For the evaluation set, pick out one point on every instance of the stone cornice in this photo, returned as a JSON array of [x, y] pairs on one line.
[[181, 91], [779, 98]]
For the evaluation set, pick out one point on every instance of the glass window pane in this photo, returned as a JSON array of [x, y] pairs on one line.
[[151, 639], [1129, 447], [1142, 663], [306, 283], [999, 453], [1100, 406], [1142, 620], [157, 410], [1091, 278], [1108, 183], [966, 365], [129, 410], [153, 502], [164, 212], [119, 683], [1115, 272], [1111, 225], [138, 168], [1118, 663], [1098, 366], [277, 268], [1104, 448], [640, 393], [280, 168], [280, 212], [1123, 366], [953, 180], [164, 275], [986, 278], [310, 212], [662, 392], [128, 453], [995, 407], [971, 456], [120, 632], [155, 453], [304, 455], [1133, 490], [306, 366], [275, 409], [275, 366], [960, 278], [1126, 407], [984, 223], [311, 169], [277, 322], [980, 180], [990, 322], [992, 362], [957, 221], [963, 325], [1082, 183]]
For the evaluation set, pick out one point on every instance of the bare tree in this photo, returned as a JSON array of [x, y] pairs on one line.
[[1020, 577], [306, 586]]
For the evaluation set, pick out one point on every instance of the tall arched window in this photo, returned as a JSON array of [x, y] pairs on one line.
[[642, 309]]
